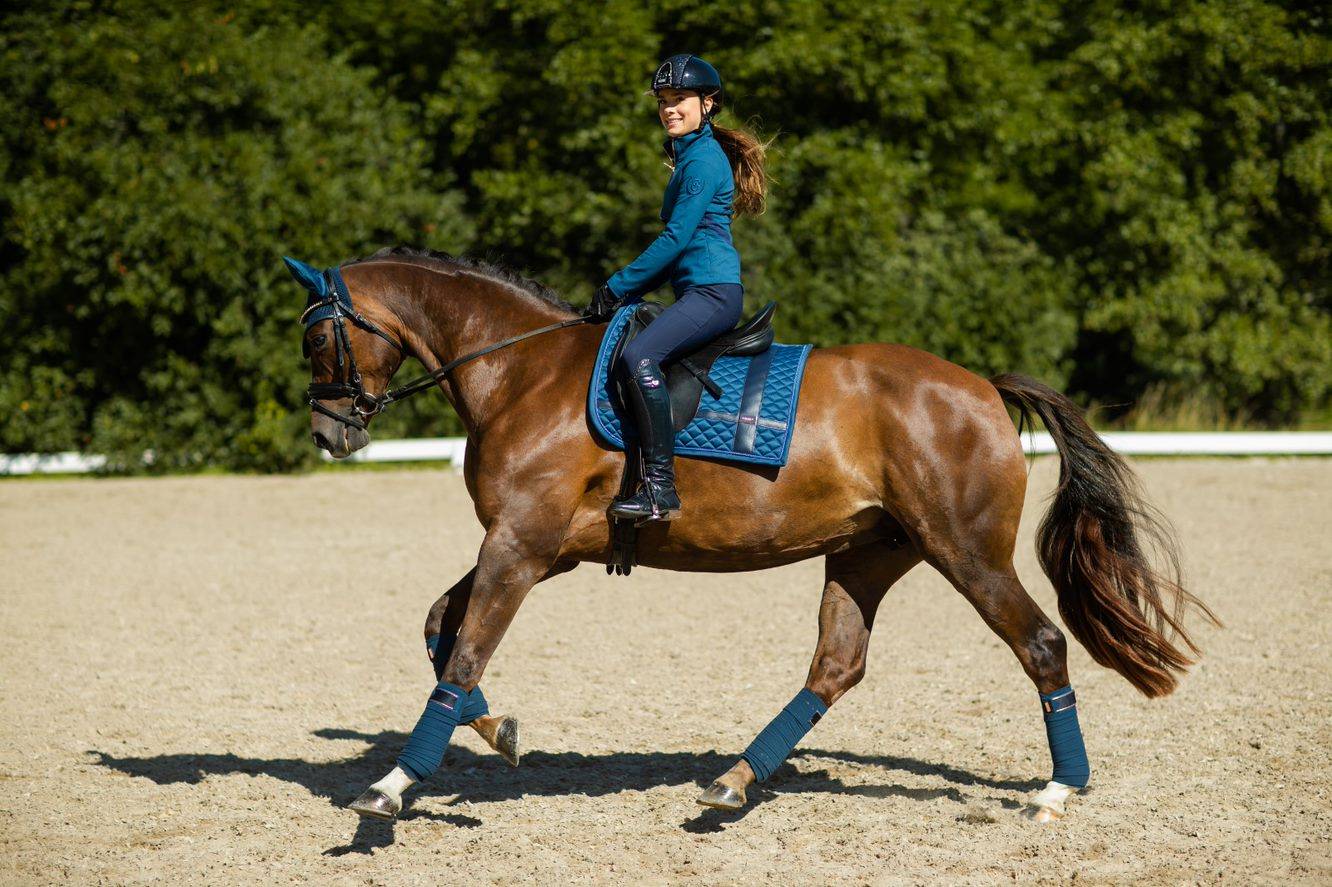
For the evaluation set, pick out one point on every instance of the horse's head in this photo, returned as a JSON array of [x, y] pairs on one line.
[[351, 356]]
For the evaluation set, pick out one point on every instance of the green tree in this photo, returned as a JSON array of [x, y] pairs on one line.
[[1117, 198], [157, 165]]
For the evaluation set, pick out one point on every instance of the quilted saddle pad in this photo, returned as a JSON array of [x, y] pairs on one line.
[[752, 422]]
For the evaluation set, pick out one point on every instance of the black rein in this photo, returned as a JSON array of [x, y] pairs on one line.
[[365, 403]]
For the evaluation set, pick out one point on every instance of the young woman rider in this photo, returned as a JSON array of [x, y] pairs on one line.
[[716, 172]]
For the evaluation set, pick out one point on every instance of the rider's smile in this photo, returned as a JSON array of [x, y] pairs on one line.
[[681, 111]]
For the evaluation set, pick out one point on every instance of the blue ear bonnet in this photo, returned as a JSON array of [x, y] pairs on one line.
[[323, 286]]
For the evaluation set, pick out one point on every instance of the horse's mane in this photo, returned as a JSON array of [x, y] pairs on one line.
[[491, 270]]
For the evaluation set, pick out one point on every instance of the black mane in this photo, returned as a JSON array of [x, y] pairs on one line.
[[481, 266]]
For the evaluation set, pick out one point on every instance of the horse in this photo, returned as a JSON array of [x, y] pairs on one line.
[[899, 457]]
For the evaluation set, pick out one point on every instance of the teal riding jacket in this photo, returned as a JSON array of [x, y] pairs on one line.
[[696, 247]]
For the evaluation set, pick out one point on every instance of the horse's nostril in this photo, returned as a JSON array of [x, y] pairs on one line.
[[321, 441]]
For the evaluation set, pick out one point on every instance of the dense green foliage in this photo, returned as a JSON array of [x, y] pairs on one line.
[[1116, 198]]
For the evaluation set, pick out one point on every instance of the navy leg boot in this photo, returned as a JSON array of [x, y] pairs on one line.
[[656, 499]]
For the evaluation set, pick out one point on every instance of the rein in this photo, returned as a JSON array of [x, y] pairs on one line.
[[365, 404]]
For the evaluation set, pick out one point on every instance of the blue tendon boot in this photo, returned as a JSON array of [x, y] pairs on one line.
[[657, 499], [1071, 769]]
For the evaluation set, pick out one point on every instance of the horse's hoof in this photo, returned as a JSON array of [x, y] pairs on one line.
[[1045, 815], [1048, 805], [506, 739], [375, 804], [723, 797]]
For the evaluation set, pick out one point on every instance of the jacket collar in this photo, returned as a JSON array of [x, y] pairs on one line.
[[676, 148]]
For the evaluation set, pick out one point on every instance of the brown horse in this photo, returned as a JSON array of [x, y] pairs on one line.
[[891, 444]]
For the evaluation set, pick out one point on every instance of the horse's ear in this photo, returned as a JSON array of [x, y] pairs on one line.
[[307, 276]]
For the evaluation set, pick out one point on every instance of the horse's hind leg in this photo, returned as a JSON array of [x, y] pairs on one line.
[[979, 564], [854, 583]]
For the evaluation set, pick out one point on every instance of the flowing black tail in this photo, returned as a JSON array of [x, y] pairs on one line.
[[1090, 544]]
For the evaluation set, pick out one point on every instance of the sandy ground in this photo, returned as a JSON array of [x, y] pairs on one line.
[[199, 673]]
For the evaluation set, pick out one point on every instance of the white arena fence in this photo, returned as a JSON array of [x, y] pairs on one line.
[[1130, 443]]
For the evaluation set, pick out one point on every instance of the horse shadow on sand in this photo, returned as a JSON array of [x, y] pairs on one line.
[[472, 778]]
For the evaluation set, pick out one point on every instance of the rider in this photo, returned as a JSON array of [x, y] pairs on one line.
[[716, 172]]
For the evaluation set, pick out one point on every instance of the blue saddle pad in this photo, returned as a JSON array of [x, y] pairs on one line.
[[752, 422]]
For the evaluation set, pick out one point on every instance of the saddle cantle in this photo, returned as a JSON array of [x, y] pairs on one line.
[[688, 376]]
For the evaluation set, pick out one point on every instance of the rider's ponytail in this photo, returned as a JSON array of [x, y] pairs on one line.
[[746, 154]]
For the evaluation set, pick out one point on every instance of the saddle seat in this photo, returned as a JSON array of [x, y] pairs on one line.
[[687, 376]]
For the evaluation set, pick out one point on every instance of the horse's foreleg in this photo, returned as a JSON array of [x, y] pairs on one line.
[[855, 582], [441, 632], [506, 570]]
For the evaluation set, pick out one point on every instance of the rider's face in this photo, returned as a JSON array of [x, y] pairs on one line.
[[680, 110]]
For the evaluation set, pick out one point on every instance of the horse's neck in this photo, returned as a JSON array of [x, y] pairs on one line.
[[458, 313]]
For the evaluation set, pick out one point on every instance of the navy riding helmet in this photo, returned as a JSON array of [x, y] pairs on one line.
[[690, 72]]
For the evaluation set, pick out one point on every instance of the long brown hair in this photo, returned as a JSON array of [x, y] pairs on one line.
[[746, 154]]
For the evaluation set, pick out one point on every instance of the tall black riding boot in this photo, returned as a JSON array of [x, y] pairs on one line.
[[657, 500]]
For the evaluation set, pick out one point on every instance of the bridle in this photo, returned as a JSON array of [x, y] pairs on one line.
[[336, 305]]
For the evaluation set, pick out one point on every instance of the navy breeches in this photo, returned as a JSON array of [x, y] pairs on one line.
[[701, 314]]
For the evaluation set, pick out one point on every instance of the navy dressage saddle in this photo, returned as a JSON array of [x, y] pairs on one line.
[[688, 376]]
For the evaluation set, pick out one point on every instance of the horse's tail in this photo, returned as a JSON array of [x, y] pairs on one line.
[[1090, 544]]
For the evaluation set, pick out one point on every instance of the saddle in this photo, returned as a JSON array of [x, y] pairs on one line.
[[687, 376]]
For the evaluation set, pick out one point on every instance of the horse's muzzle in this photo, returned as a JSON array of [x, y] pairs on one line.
[[338, 439]]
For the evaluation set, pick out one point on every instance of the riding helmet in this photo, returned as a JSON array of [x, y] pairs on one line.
[[690, 72]]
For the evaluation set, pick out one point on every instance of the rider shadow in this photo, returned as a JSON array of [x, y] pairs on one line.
[[473, 778]]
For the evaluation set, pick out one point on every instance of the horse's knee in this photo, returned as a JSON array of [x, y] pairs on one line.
[[464, 668]]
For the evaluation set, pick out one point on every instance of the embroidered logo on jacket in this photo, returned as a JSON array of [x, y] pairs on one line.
[[693, 184]]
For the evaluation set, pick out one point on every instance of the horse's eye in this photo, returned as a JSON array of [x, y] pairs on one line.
[[319, 340]]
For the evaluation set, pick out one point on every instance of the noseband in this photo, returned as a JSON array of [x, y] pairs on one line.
[[336, 305]]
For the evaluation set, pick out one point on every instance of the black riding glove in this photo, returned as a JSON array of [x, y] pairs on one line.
[[604, 303]]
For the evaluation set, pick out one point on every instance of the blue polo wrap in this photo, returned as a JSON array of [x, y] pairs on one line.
[[430, 738], [475, 705], [1060, 709], [766, 753]]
